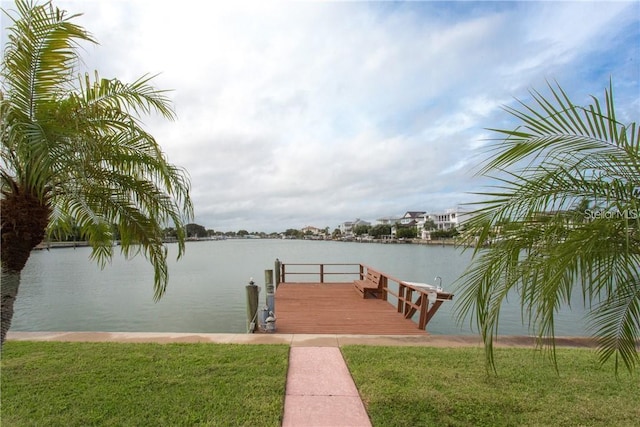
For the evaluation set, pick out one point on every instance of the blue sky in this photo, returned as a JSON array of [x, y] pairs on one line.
[[314, 113]]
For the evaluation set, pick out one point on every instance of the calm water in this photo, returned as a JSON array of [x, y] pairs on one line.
[[62, 290]]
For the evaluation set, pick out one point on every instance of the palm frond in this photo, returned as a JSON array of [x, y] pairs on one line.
[[80, 145], [562, 157], [39, 54], [616, 323]]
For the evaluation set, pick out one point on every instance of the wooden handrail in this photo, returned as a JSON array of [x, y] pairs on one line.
[[321, 272], [406, 304]]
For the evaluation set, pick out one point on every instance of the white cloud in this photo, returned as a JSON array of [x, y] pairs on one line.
[[296, 113]]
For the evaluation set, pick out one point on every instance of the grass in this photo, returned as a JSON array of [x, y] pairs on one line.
[[414, 386], [115, 384]]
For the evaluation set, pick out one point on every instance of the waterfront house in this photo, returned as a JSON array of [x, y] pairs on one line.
[[442, 221], [411, 217], [346, 228], [408, 220], [310, 230], [387, 220]]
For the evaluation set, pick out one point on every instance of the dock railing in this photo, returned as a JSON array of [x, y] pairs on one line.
[[408, 297], [318, 273]]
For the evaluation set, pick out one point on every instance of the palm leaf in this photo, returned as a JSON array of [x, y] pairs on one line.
[[561, 157], [80, 146]]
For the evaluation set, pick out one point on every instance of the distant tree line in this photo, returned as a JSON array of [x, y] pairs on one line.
[[193, 230]]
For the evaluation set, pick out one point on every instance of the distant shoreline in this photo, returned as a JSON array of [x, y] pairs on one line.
[[57, 245], [447, 242], [84, 243]]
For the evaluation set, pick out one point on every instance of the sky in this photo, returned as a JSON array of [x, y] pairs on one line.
[[294, 114]]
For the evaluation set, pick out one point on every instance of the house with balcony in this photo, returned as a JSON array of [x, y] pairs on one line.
[[312, 231], [387, 220], [447, 220], [409, 219], [347, 227]]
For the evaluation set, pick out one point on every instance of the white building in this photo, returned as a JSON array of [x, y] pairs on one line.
[[346, 228], [387, 220], [312, 230], [447, 220], [409, 219]]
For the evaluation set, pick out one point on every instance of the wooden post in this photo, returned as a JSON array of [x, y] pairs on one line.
[[268, 284], [321, 273], [424, 305], [385, 287], [252, 306], [408, 298], [268, 281], [277, 270], [430, 313]]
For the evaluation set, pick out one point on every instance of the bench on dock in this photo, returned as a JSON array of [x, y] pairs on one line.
[[370, 285]]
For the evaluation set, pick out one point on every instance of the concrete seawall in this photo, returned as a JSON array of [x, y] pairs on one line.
[[330, 340]]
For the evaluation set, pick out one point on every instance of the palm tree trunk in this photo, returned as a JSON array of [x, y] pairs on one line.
[[9, 292], [24, 220]]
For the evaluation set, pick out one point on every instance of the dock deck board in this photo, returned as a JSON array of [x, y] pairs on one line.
[[336, 308]]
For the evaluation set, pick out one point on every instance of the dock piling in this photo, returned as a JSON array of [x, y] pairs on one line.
[[269, 290], [277, 267], [270, 300], [252, 305]]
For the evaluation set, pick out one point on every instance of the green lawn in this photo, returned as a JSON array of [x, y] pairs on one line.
[[84, 384], [113, 384], [414, 386]]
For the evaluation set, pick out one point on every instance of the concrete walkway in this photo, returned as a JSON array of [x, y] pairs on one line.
[[320, 391]]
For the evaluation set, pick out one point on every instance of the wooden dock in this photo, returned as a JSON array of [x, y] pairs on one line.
[[379, 305], [336, 308]]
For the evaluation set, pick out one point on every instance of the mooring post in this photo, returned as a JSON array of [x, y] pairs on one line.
[[268, 281], [268, 284], [270, 321], [252, 305], [277, 269]]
